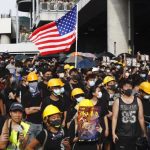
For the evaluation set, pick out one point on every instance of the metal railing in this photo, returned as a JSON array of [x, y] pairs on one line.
[[56, 6]]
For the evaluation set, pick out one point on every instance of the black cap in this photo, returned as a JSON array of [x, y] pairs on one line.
[[16, 106]]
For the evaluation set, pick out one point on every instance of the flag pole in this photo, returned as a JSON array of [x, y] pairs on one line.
[[76, 48]]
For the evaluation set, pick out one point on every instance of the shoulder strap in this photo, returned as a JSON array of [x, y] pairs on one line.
[[44, 139]]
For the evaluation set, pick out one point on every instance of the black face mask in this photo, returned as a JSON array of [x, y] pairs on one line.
[[128, 92], [76, 77], [48, 78], [113, 87], [55, 123]]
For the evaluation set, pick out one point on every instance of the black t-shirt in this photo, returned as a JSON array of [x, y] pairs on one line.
[[43, 89], [53, 141], [59, 103], [33, 101]]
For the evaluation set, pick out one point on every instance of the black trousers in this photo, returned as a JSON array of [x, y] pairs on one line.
[[126, 143]]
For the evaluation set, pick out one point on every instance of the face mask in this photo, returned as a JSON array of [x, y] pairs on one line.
[[128, 92], [102, 69], [48, 78], [57, 91], [108, 71], [99, 95], [33, 87], [79, 99], [113, 87], [12, 79], [118, 67], [127, 74], [146, 97], [61, 75], [55, 123], [143, 75], [62, 90], [91, 83]]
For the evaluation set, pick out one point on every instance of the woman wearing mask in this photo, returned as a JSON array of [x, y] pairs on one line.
[[77, 95], [98, 100], [55, 98], [53, 136]]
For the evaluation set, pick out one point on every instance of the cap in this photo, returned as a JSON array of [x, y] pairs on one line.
[[16, 106]]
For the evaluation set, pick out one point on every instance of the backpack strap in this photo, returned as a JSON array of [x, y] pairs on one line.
[[46, 135]]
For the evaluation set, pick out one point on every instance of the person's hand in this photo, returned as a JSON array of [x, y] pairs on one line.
[[66, 143], [115, 138], [76, 139], [63, 123], [11, 95], [4, 137], [21, 137]]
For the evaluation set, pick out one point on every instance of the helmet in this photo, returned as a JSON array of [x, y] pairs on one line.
[[67, 66], [86, 103], [61, 83], [32, 76], [145, 86], [76, 91], [55, 82], [50, 110], [71, 67], [108, 79]]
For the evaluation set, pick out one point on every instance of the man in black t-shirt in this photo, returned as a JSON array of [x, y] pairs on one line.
[[55, 98], [32, 101], [127, 112], [53, 137]]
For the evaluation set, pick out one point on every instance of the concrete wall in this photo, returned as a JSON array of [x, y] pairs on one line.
[[117, 26], [5, 25]]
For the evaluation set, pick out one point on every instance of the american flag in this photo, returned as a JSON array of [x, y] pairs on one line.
[[57, 36]]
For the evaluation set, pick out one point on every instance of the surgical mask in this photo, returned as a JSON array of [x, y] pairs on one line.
[[146, 97], [118, 67], [99, 95], [61, 75], [33, 87], [108, 71], [127, 74], [57, 91], [102, 69], [62, 90], [91, 83], [128, 92], [55, 123], [79, 99], [143, 75]]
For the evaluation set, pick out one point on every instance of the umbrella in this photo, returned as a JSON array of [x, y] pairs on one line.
[[74, 54], [71, 59], [124, 54], [86, 63], [89, 55], [108, 54], [20, 57]]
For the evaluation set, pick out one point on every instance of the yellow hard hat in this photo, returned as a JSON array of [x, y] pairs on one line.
[[54, 82], [71, 67], [76, 91], [86, 103], [145, 86], [32, 76], [67, 66], [50, 110], [61, 83], [108, 79]]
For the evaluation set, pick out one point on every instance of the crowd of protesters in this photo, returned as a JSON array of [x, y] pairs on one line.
[[40, 99]]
